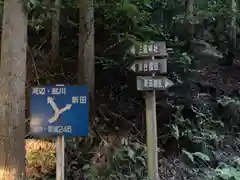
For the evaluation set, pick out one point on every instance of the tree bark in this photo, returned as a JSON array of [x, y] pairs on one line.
[[190, 25], [55, 31], [12, 91], [86, 61], [233, 24]]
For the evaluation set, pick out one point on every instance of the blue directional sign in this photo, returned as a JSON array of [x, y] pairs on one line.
[[59, 110]]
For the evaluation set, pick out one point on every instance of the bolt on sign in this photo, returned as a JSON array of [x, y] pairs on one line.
[[149, 49], [153, 83]]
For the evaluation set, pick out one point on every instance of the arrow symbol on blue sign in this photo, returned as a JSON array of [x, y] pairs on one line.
[[57, 112], [52, 103]]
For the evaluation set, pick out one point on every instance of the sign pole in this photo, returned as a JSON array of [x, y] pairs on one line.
[[150, 84], [58, 117], [60, 151], [151, 123], [151, 135]]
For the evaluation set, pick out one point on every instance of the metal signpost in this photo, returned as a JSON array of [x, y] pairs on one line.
[[148, 64], [58, 111]]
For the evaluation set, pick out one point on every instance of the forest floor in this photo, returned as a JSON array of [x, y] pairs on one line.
[[41, 163]]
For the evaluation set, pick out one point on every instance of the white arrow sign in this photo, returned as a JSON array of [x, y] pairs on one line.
[[57, 112], [150, 66], [67, 107], [153, 83], [52, 103]]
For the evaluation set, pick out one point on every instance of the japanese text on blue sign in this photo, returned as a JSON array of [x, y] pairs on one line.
[[59, 110]]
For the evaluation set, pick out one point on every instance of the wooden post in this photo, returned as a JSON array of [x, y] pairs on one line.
[[151, 123], [150, 84], [152, 141], [60, 151]]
